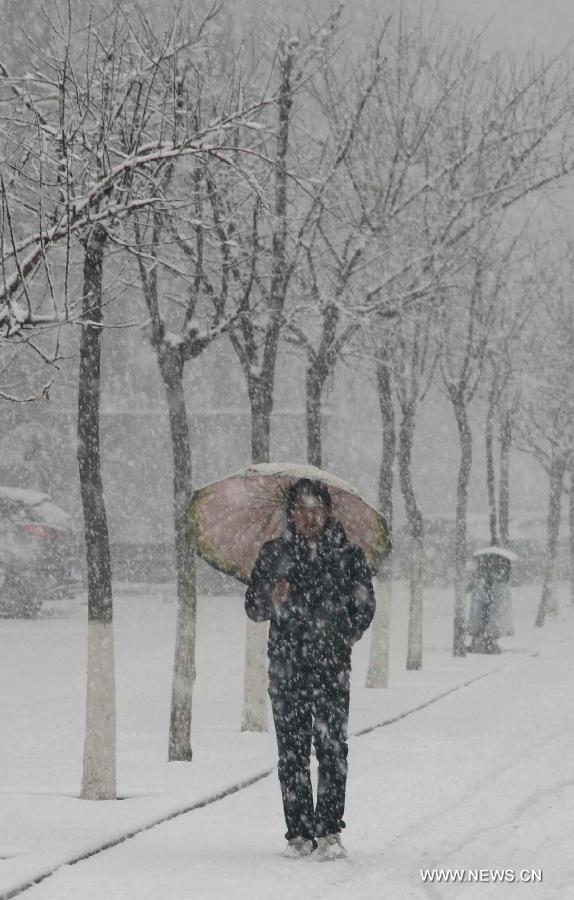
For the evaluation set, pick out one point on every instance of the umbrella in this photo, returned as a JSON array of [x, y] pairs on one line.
[[497, 551], [231, 519]]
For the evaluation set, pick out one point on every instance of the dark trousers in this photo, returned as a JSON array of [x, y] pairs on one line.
[[318, 711]]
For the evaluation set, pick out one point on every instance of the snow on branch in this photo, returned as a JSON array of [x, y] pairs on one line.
[[90, 136]]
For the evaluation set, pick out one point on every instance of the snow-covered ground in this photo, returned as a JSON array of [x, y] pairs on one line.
[[483, 778]]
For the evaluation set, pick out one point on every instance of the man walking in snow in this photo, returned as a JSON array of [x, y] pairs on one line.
[[316, 589]]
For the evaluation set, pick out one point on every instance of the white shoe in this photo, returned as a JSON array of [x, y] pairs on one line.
[[298, 847], [331, 847]]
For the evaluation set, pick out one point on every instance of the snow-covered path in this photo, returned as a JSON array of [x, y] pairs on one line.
[[482, 779]]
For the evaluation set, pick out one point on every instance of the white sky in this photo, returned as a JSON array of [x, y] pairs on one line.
[[517, 24]]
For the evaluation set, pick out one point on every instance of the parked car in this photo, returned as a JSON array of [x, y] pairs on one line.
[[37, 552]]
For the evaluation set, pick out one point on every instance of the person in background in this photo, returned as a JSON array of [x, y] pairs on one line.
[[487, 597]]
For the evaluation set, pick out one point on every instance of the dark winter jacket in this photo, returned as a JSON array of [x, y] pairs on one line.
[[331, 602]]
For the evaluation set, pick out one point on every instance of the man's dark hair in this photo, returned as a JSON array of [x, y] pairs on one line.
[[307, 487]]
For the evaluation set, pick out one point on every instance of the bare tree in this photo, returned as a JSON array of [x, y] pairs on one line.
[[470, 322], [558, 466], [517, 301], [99, 773], [174, 246], [545, 419], [330, 277], [379, 650]]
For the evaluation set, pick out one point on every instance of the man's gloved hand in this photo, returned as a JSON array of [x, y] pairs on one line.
[[280, 593]]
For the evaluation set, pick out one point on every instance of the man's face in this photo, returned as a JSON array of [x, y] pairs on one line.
[[309, 517]]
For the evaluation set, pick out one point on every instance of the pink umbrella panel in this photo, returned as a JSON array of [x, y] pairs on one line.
[[231, 519]]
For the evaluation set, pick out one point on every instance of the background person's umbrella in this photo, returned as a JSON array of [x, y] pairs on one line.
[[231, 519], [510, 555]]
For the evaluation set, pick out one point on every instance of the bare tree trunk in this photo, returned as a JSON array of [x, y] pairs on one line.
[[315, 383], [504, 495], [99, 769], [261, 400], [505, 433], [320, 365], [415, 633], [415, 521], [171, 367], [255, 715], [378, 667], [490, 473], [465, 437], [389, 444], [548, 599], [571, 525]]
